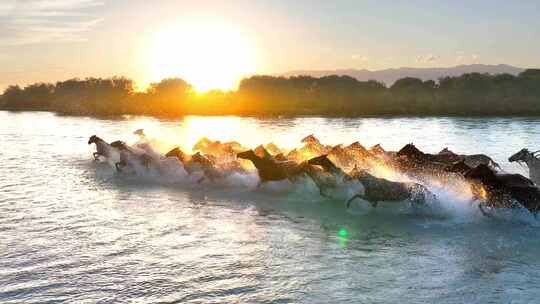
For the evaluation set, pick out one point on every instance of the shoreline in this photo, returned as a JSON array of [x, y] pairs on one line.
[[272, 116]]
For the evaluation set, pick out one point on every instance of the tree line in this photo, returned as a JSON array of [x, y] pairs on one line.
[[468, 94]]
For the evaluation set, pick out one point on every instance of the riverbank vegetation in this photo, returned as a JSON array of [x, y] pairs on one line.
[[468, 94]]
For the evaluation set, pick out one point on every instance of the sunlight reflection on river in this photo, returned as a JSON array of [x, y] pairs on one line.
[[72, 230]]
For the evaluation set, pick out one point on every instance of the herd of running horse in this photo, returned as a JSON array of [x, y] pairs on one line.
[[332, 166]]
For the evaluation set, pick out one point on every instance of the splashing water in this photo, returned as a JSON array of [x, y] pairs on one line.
[[73, 230]]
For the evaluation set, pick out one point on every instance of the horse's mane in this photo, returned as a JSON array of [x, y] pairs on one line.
[[377, 149], [535, 154], [260, 151], [410, 149], [309, 139], [337, 149], [446, 151], [357, 146]]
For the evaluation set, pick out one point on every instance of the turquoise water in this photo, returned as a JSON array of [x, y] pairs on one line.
[[71, 230]]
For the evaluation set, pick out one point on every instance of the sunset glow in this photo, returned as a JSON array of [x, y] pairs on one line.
[[207, 56]]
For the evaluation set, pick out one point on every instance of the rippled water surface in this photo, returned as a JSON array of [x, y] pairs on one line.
[[71, 230]]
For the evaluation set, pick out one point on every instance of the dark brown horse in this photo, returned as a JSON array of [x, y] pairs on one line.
[[377, 150], [459, 167], [270, 169], [503, 190], [196, 162], [376, 189]]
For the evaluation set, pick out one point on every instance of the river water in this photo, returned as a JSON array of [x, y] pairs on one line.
[[72, 230]]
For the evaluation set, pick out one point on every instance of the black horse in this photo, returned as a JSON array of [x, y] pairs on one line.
[[504, 190], [270, 169]]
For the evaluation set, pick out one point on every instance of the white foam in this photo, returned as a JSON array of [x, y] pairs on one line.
[[452, 196]]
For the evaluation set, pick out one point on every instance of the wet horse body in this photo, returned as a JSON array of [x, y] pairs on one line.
[[412, 161], [380, 189], [270, 169], [503, 190], [220, 152], [196, 162], [471, 160], [375, 189], [129, 155]]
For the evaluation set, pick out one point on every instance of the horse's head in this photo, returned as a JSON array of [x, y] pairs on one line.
[[201, 143], [410, 151], [176, 152], [310, 139], [447, 151], [322, 161], [120, 145], [139, 132], [280, 157], [93, 139], [458, 167], [273, 148], [377, 149], [261, 152], [249, 154], [520, 156], [233, 145], [201, 159], [482, 172]]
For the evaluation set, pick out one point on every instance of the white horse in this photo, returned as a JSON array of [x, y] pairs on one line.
[[102, 147], [531, 160]]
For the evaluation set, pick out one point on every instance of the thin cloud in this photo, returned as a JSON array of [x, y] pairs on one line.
[[359, 57], [460, 56], [33, 21], [463, 57], [429, 58]]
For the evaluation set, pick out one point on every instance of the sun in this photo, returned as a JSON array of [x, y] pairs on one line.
[[207, 56]]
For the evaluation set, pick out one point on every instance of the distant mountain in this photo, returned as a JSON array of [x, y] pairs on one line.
[[389, 76]]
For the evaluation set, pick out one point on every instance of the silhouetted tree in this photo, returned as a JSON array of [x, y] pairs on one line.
[[468, 94]]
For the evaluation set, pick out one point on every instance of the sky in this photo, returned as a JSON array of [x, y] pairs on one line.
[[212, 42]]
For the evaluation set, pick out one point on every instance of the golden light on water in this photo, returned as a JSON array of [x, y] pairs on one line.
[[208, 56], [191, 129], [383, 171], [216, 128]]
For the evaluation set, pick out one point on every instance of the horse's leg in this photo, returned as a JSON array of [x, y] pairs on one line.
[[355, 197], [96, 155], [484, 213], [120, 165], [417, 198], [321, 192]]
